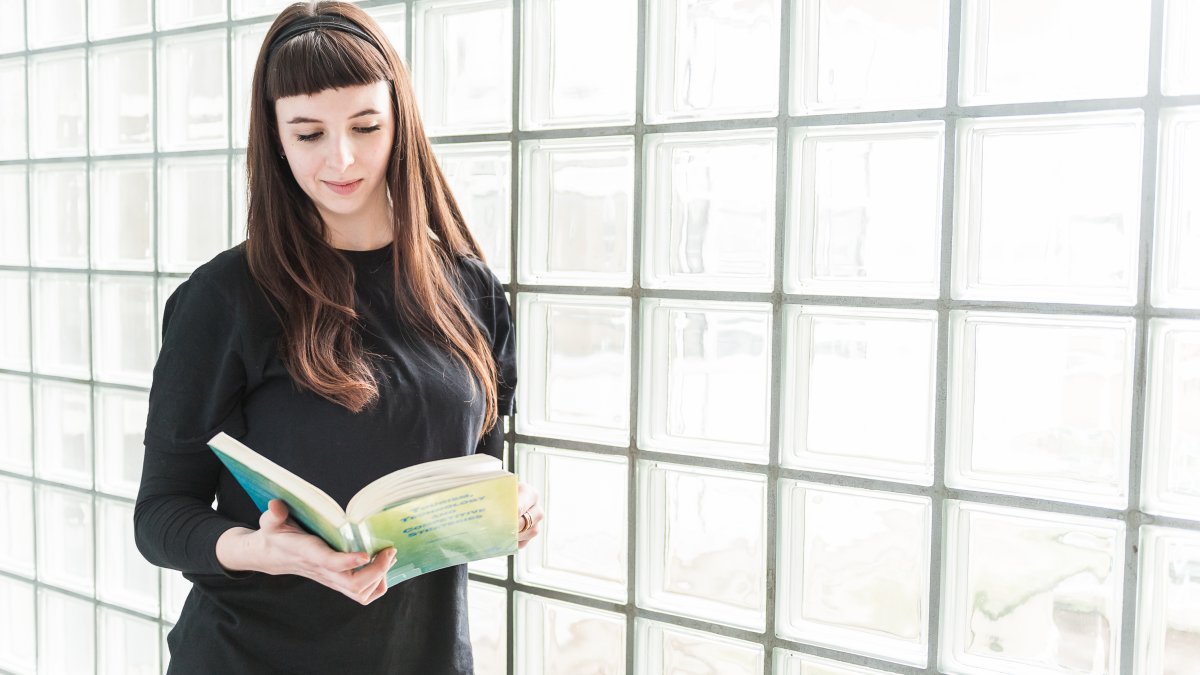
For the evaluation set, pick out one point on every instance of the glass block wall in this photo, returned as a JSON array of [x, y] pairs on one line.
[[855, 336]]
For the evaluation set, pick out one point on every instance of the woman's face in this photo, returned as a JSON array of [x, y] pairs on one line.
[[337, 143]]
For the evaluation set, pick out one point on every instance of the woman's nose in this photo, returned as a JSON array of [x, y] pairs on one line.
[[341, 154]]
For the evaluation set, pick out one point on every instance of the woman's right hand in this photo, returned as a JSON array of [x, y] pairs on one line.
[[280, 546]]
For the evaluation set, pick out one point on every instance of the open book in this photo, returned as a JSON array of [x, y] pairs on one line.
[[436, 514]]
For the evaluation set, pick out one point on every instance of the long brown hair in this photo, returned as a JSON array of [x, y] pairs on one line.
[[311, 284]]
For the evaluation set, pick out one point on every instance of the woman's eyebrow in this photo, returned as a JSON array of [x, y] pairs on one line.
[[309, 120]]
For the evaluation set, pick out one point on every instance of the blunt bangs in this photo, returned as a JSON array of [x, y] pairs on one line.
[[319, 60]]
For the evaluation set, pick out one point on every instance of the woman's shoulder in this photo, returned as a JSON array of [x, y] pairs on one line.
[[479, 277], [226, 279], [226, 270]]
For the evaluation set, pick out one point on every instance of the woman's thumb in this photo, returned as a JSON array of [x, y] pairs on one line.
[[275, 514]]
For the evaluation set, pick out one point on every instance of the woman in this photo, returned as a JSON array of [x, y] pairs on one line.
[[357, 331]]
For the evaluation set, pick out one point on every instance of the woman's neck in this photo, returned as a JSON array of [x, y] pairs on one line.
[[361, 232], [359, 240]]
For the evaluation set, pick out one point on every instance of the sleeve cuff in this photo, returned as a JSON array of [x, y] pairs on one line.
[[208, 535]]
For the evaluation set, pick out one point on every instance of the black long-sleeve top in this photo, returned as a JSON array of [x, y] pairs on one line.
[[219, 370]]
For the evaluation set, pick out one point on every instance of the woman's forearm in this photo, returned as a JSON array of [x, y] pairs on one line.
[[174, 523], [234, 550]]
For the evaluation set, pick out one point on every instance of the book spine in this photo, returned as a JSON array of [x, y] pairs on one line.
[[351, 534], [362, 537]]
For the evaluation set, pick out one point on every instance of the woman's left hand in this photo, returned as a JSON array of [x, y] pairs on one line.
[[529, 514]]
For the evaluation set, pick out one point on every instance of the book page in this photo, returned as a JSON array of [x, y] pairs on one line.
[[450, 527], [420, 479]]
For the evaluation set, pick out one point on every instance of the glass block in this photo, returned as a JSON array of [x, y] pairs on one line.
[[1175, 277], [12, 108], [12, 31], [1181, 56], [856, 55], [794, 663], [56, 22], [240, 208], [63, 432], [858, 391], [558, 637], [243, 9], [563, 83], [393, 22], [577, 212], [122, 226], [663, 649], [712, 60], [1048, 208], [191, 211], [1053, 50], [854, 570], [128, 644], [16, 425], [479, 176], [710, 210], [191, 90], [164, 647], [496, 568], [247, 42], [1040, 406], [14, 339], [66, 633], [174, 14], [582, 549], [59, 217], [59, 129], [865, 211], [461, 85], [123, 331], [1168, 623], [123, 577], [702, 543], [16, 522], [487, 606], [1171, 471], [64, 538], [121, 425], [706, 378], [121, 110], [1028, 591], [14, 226], [60, 325], [574, 361], [17, 640], [114, 18]]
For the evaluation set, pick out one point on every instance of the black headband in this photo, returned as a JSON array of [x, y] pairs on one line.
[[327, 21]]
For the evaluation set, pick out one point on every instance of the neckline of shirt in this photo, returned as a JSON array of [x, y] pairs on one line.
[[373, 256]]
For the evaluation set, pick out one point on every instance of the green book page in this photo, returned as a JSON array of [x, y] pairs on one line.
[[262, 490], [446, 528]]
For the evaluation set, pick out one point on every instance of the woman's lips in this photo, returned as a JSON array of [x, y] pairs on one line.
[[343, 188]]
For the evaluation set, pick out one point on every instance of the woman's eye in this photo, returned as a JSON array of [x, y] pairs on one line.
[[316, 135]]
